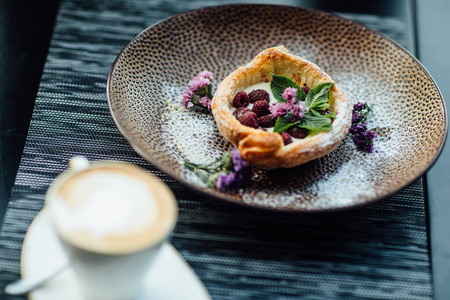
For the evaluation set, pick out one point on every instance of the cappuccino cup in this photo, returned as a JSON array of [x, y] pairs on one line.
[[112, 219]]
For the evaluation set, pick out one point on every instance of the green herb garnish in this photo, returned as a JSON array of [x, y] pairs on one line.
[[297, 108]]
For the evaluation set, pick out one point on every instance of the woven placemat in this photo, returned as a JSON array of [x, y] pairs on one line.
[[375, 252]]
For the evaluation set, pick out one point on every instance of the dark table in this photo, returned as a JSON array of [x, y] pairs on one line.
[[25, 33]]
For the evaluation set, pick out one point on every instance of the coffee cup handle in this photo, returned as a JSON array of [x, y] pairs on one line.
[[78, 163]]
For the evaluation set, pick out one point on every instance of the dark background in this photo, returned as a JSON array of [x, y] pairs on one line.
[[25, 34]]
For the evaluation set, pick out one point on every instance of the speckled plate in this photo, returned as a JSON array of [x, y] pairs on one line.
[[148, 77]]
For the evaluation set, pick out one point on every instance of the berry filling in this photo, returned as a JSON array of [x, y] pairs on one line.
[[241, 100], [286, 138], [267, 121], [240, 111], [261, 108], [259, 94], [252, 110], [249, 119]]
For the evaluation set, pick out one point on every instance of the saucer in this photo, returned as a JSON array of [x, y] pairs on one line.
[[169, 278]]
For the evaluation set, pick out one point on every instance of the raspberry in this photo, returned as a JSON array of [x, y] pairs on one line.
[[241, 100], [257, 95], [261, 108], [286, 138], [305, 89], [267, 121], [297, 132], [249, 119], [240, 111]]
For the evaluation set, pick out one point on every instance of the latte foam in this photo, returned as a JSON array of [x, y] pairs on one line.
[[112, 208]]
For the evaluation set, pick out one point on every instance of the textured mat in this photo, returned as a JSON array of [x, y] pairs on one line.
[[375, 252]]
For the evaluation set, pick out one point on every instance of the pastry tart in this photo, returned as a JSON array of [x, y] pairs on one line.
[[263, 148]]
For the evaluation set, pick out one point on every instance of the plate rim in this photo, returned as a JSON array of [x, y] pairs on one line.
[[209, 192]]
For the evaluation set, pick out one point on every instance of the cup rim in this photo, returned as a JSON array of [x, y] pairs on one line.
[[167, 224]]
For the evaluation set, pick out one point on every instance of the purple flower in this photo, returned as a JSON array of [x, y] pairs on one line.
[[370, 135], [187, 96], [280, 109], [356, 117], [239, 163], [358, 128], [206, 74], [362, 137], [199, 93], [297, 111], [230, 171], [363, 143], [198, 83], [359, 141], [206, 102], [359, 106], [368, 148], [238, 177], [289, 95], [225, 181]]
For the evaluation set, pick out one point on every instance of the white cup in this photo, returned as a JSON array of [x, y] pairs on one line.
[[112, 219]]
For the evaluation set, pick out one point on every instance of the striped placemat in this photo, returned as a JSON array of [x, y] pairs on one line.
[[375, 252]]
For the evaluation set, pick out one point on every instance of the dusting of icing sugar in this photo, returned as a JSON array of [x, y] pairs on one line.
[[347, 175], [347, 187], [190, 134], [342, 178], [386, 122]]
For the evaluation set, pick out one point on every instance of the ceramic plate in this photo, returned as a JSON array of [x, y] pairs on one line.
[[149, 75]]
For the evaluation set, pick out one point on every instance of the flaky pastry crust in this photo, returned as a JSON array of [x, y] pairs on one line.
[[266, 149]]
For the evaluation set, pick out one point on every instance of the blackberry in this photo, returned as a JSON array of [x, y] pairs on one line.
[[297, 132], [257, 95], [249, 119], [241, 100], [267, 121], [261, 108]]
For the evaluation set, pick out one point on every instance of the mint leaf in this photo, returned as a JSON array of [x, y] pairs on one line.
[[283, 124], [321, 106], [309, 122], [316, 100], [314, 112], [317, 97], [279, 83], [312, 122]]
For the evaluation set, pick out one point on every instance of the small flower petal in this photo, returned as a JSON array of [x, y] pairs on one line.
[[289, 95], [280, 109], [297, 112], [187, 95], [359, 106], [206, 74], [225, 181], [356, 117], [198, 83], [368, 148], [370, 135], [206, 102], [238, 162]]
